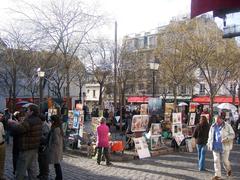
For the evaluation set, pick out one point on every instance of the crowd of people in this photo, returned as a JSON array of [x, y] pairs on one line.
[[36, 142]]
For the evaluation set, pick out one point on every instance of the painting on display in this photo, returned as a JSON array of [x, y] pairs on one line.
[[144, 109], [139, 123], [141, 147], [156, 142], [76, 117], [193, 107], [155, 106], [176, 129], [70, 119], [52, 112], [169, 107], [156, 129], [192, 119], [176, 118]]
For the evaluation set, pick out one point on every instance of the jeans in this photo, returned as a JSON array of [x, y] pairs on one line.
[[201, 149], [27, 161], [58, 171], [217, 162], [106, 154]]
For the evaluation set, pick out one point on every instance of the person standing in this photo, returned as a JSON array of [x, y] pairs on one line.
[[56, 145], [15, 147], [29, 133], [6, 117], [103, 141], [43, 150], [220, 142], [2, 148], [201, 136]]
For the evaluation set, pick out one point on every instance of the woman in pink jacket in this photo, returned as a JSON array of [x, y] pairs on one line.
[[103, 141]]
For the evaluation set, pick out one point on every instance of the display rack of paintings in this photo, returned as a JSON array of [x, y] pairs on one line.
[[141, 147], [139, 123], [193, 107]]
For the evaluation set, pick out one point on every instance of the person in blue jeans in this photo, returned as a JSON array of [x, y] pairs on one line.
[[201, 135]]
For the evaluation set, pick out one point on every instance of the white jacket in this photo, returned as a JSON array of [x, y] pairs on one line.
[[227, 135]]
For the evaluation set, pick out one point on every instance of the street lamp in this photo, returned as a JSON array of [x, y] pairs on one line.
[[41, 75], [154, 67]]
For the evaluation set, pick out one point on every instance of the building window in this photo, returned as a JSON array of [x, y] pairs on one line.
[[88, 91], [152, 41], [183, 90], [202, 89], [140, 43], [94, 93], [232, 88]]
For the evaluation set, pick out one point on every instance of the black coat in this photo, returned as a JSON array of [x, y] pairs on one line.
[[201, 134]]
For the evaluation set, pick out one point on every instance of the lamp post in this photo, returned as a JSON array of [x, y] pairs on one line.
[[41, 75], [154, 67]]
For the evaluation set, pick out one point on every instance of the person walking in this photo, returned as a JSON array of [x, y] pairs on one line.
[[15, 147], [103, 142], [43, 150], [6, 118], [2, 148], [201, 135], [56, 145], [220, 142], [29, 133]]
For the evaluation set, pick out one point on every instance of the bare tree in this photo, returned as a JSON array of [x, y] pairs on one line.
[[101, 61], [65, 26]]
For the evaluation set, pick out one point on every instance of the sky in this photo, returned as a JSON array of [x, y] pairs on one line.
[[132, 16]]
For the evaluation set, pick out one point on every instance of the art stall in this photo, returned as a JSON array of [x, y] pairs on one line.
[[75, 126]]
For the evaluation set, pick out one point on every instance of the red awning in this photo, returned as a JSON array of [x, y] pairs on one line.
[[138, 99], [217, 99], [202, 6]]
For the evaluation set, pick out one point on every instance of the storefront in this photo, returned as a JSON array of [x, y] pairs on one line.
[[217, 99]]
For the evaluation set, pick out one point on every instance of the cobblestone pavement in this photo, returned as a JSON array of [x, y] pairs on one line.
[[178, 165]]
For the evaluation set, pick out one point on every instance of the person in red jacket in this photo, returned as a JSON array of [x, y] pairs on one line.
[[103, 141]]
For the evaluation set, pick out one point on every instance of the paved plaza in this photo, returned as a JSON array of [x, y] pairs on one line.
[[178, 165]]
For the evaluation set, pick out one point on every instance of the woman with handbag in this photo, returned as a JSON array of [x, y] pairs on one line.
[[201, 136]]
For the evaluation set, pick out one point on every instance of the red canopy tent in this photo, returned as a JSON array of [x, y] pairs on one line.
[[202, 6], [138, 99], [217, 99]]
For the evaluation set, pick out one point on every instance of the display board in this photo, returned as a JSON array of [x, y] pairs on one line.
[[141, 147]]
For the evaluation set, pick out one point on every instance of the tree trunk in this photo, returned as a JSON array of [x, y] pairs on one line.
[[68, 88], [175, 98], [100, 96], [211, 107]]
